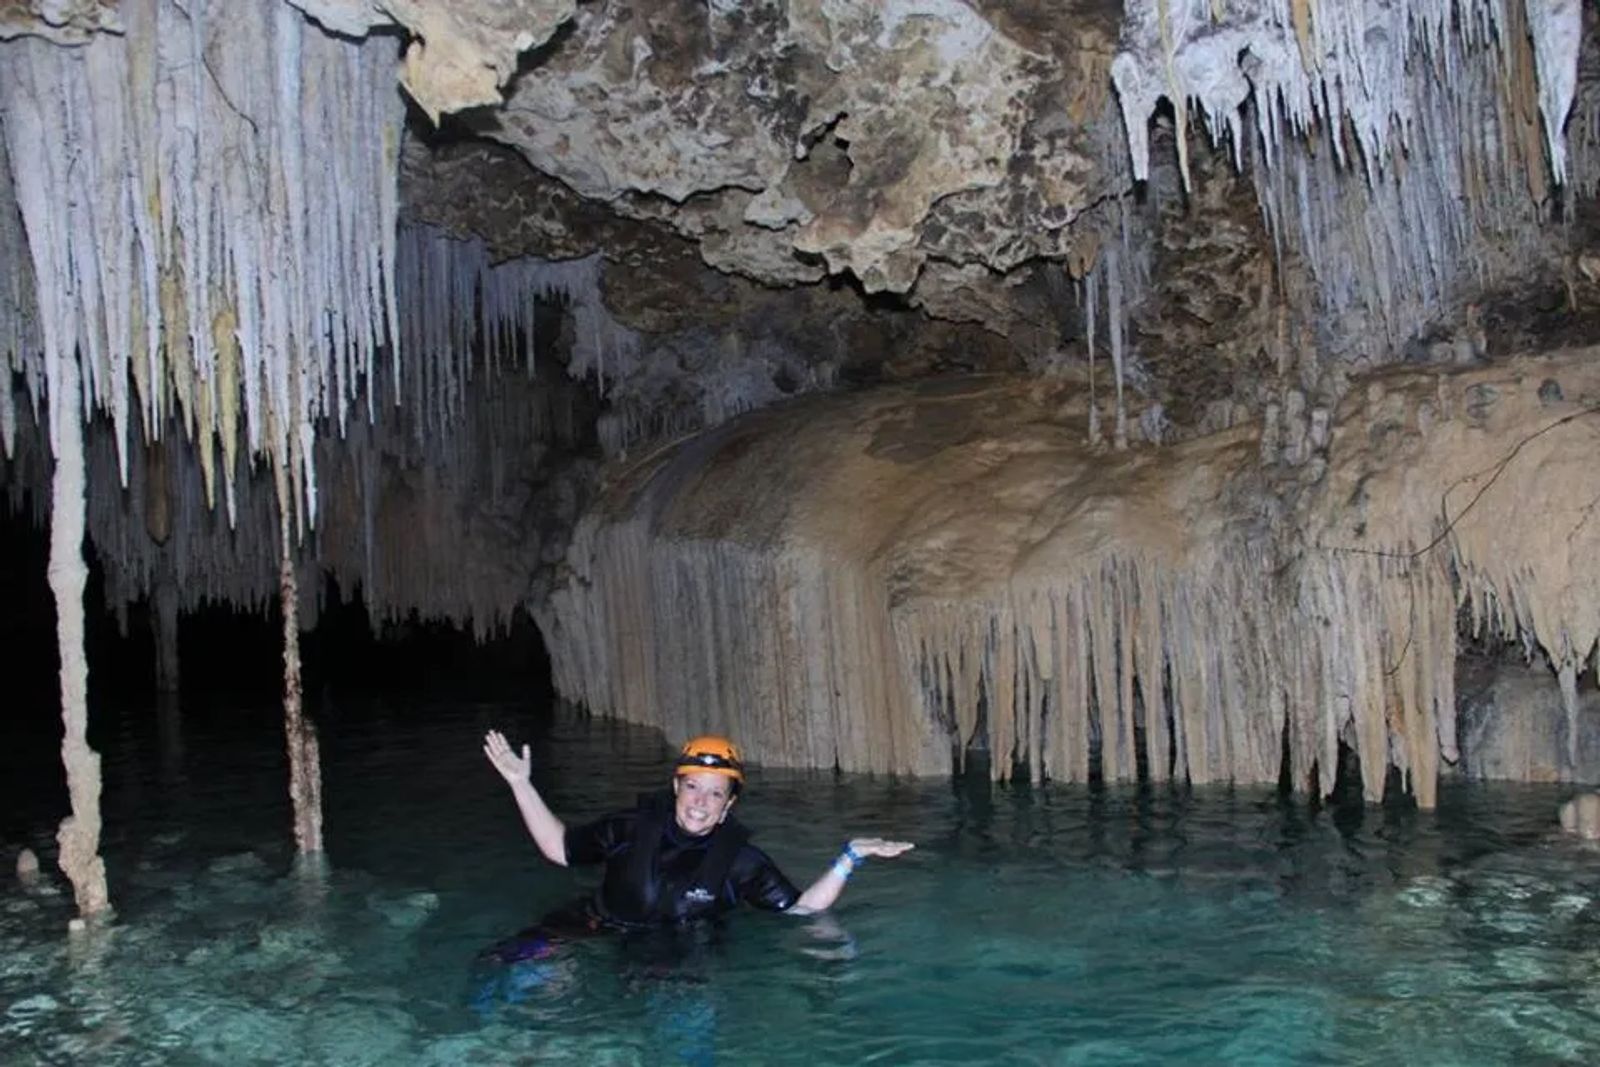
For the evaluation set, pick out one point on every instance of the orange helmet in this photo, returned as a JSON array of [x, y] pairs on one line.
[[710, 753]]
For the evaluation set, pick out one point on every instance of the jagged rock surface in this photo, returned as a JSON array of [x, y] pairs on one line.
[[62, 21], [462, 52], [1514, 727], [825, 133]]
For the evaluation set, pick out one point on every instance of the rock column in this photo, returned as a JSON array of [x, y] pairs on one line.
[[79, 836], [305, 760]]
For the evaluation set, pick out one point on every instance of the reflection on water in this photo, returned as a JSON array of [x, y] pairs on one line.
[[1030, 926]]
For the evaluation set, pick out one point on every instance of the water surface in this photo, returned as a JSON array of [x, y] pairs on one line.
[[1060, 925]]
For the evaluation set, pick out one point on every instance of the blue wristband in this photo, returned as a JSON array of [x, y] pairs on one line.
[[855, 858]]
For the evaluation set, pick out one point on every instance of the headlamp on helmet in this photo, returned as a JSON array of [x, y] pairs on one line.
[[710, 754]]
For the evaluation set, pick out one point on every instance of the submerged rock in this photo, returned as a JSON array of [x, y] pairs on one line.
[[407, 912], [1581, 816], [27, 867]]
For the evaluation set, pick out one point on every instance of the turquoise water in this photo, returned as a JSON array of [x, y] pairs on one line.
[[1030, 926]]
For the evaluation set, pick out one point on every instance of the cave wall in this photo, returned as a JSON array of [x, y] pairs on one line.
[[1192, 229], [881, 581]]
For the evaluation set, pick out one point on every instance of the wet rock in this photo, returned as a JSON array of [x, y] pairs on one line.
[[1480, 399], [1513, 725], [407, 912], [27, 867], [1581, 816]]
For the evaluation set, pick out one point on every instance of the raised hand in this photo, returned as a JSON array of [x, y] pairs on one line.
[[877, 846], [512, 767]]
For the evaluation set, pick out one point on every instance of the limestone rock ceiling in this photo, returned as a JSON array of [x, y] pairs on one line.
[[61, 21], [977, 160], [461, 53], [791, 139]]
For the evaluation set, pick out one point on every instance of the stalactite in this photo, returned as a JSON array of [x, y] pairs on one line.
[[1398, 148], [1091, 289], [79, 836], [1088, 611], [1583, 127], [398, 505], [159, 172], [1355, 71], [1114, 324], [168, 667], [300, 734], [19, 327], [1118, 267], [453, 298]]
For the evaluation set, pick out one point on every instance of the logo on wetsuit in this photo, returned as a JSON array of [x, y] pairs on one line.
[[699, 895]]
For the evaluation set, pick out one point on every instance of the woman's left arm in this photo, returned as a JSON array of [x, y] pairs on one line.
[[822, 893]]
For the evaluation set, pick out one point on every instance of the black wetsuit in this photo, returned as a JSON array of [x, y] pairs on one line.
[[656, 874], [656, 878]]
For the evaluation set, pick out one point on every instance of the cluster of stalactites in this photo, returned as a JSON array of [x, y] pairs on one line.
[[1398, 148], [209, 203], [789, 651], [395, 514], [1118, 641], [1583, 128], [456, 300], [19, 325], [1138, 670], [1128, 669], [1112, 285], [1318, 67]]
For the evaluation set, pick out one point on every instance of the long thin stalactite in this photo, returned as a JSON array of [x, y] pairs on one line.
[[79, 836]]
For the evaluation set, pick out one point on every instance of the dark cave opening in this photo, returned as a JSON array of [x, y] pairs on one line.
[[227, 651], [231, 662]]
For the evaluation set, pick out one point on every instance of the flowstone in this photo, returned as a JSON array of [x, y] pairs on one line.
[[881, 580]]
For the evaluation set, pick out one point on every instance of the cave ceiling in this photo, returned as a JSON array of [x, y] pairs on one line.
[[793, 139], [972, 163], [933, 155], [965, 161], [62, 21]]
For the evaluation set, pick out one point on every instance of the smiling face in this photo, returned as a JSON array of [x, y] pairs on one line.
[[703, 800]]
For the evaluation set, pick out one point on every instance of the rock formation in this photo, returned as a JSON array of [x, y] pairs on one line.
[[925, 570], [1581, 816]]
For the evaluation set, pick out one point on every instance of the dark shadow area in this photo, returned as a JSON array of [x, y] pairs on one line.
[[231, 661]]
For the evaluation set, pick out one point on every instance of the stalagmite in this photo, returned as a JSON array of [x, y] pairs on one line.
[[79, 836]]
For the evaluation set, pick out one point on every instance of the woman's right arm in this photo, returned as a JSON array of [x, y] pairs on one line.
[[547, 831]]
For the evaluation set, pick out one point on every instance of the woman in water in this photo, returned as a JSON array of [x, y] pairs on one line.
[[676, 858]]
